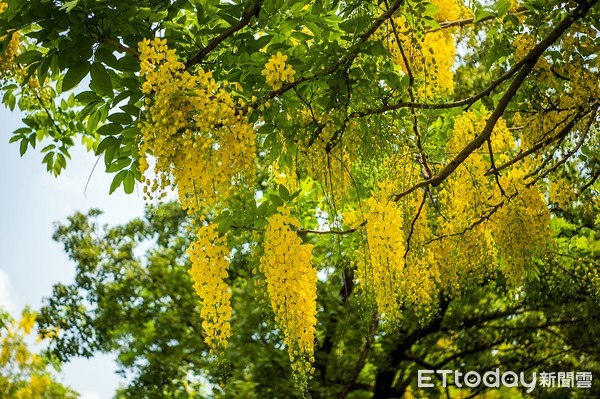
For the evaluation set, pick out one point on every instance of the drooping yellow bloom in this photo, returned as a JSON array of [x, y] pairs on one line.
[[380, 272], [209, 256], [521, 226], [292, 287], [428, 55], [202, 144]]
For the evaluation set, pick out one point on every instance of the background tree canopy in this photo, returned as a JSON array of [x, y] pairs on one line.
[[365, 188]]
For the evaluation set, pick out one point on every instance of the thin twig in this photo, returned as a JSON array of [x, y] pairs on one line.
[[413, 223]]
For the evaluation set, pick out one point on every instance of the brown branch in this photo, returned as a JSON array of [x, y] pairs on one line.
[[455, 104], [529, 62], [589, 183], [322, 232], [570, 153], [493, 168], [482, 219], [470, 100], [543, 143], [305, 231], [252, 11], [118, 45]]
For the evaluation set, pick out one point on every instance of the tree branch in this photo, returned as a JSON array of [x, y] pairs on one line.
[[118, 45], [252, 11]]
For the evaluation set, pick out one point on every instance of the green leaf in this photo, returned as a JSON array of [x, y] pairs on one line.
[[48, 158], [86, 97], [110, 129], [276, 200], [431, 22], [502, 6], [129, 182], [431, 9], [92, 121], [130, 132], [28, 57], [101, 79], [262, 209], [294, 195], [129, 63], [69, 5], [482, 14], [106, 57], [23, 146], [284, 193], [158, 16], [225, 224], [119, 164], [117, 180], [10, 100], [74, 75], [105, 143], [48, 148], [120, 117]]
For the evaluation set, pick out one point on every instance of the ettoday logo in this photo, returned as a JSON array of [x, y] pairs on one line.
[[509, 379]]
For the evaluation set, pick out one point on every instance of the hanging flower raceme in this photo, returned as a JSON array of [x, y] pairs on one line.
[[292, 287], [428, 54], [201, 142], [209, 257], [379, 270]]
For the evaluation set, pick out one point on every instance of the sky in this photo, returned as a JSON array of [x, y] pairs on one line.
[[31, 200]]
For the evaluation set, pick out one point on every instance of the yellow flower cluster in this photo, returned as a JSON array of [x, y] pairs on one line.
[[523, 44], [430, 55], [468, 253], [379, 272], [11, 50], [422, 270], [562, 193], [202, 144], [328, 153], [37, 388], [277, 72], [520, 227], [292, 287], [449, 10], [209, 256], [512, 232], [27, 321]]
